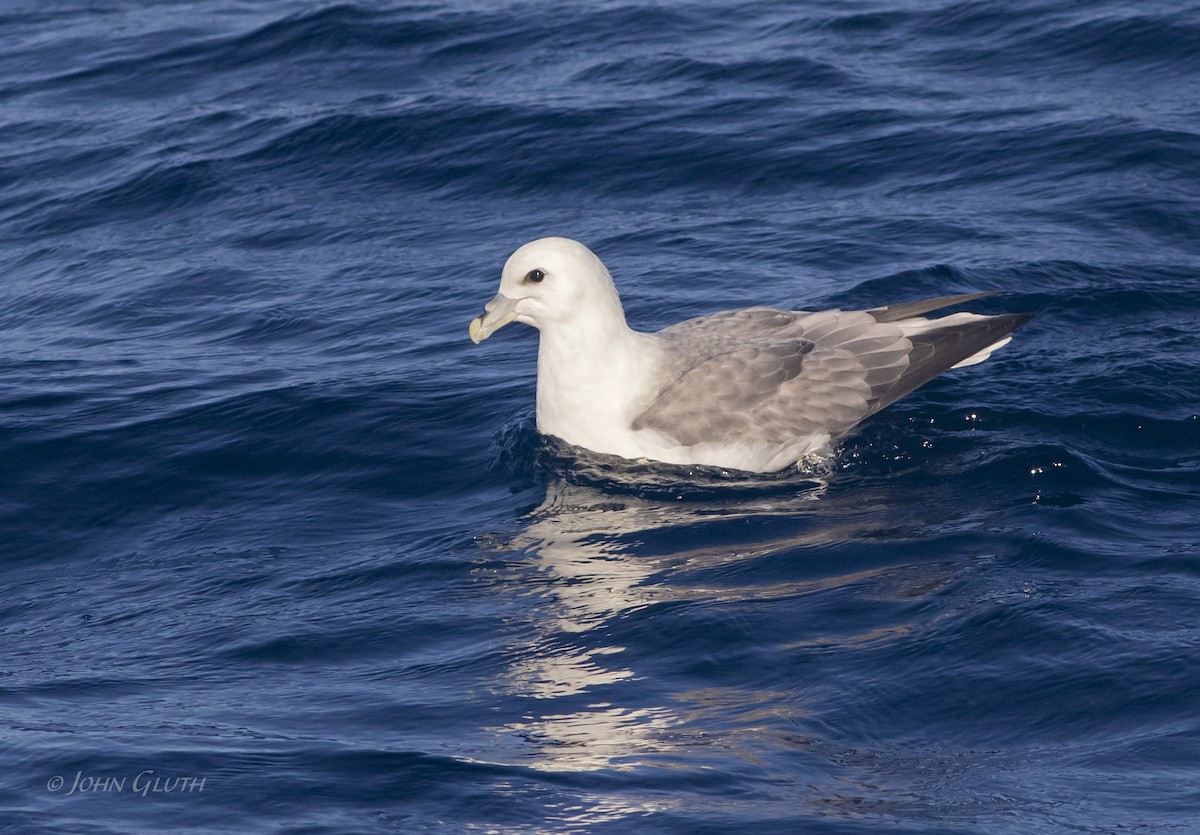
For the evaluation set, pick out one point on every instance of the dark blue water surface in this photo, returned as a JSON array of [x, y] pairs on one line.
[[277, 535]]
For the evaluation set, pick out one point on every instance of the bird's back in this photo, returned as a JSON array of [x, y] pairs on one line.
[[762, 378]]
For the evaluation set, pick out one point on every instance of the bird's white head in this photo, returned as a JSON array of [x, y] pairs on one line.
[[549, 283]]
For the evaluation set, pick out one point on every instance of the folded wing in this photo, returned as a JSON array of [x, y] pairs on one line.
[[779, 376]]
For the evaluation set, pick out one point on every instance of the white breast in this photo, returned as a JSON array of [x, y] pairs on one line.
[[589, 397]]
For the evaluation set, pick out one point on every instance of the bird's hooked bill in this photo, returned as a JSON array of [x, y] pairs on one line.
[[496, 314]]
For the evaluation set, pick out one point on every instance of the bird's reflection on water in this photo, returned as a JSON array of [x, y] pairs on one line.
[[592, 557]]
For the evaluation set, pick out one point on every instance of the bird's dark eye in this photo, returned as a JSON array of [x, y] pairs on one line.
[[535, 276]]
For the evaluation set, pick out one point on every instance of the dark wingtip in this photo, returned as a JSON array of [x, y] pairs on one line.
[[1020, 319]]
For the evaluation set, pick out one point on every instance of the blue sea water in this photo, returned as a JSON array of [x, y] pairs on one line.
[[276, 535]]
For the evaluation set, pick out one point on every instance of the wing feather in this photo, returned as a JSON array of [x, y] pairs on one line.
[[762, 376], [778, 375]]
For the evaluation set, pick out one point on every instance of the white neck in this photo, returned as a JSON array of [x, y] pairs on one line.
[[590, 380]]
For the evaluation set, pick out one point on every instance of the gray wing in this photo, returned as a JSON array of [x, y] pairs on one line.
[[762, 375], [773, 376]]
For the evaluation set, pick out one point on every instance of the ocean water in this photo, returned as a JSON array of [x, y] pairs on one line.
[[282, 551]]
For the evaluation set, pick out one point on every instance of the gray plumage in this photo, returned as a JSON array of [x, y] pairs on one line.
[[778, 374]]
